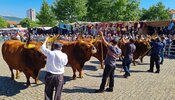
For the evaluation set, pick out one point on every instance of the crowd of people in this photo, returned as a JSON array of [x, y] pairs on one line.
[[110, 37]]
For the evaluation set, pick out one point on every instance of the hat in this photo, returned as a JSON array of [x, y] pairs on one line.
[[115, 40], [58, 45]]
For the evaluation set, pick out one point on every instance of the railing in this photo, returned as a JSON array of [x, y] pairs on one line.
[[170, 50]]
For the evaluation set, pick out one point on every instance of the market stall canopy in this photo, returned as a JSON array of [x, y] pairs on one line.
[[44, 28], [157, 23]]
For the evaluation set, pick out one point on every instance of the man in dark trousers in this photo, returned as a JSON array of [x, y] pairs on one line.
[[56, 60], [128, 56], [110, 63], [157, 46]]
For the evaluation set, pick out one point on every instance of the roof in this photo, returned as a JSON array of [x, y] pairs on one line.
[[172, 11], [12, 22], [158, 23]]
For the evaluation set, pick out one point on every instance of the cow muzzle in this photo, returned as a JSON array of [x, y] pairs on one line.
[[93, 50]]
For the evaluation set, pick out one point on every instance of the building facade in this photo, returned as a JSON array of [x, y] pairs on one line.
[[172, 12], [31, 14]]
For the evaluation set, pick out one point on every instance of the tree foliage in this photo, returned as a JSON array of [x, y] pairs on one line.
[[70, 10], [46, 16], [25, 22], [113, 10], [3, 23], [156, 12], [98, 10]]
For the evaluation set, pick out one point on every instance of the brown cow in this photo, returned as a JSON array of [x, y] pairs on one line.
[[78, 53], [142, 47], [27, 60]]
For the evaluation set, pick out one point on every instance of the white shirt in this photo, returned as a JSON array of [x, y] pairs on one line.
[[18, 37], [56, 60]]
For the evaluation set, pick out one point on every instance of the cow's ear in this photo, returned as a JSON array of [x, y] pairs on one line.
[[29, 46]]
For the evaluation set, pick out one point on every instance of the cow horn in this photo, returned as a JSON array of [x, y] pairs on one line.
[[28, 40], [53, 38], [28, 45]]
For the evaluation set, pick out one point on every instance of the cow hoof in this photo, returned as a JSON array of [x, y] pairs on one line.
[[80, 77], [13, 78], [28, 85], [36, 81], [17, 77], [74, 77]]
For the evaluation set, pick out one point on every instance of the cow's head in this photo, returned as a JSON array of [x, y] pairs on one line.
[[87, 48], [143, 45]]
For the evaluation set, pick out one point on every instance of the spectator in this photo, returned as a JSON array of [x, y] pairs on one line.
[[128, 56], [155, 54], [110, 62], [56, 60], [163, 50]]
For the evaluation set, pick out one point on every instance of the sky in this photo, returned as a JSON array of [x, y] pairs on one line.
[[18, 8]]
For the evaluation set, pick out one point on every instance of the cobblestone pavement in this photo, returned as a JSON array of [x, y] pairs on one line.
[[140, 86]]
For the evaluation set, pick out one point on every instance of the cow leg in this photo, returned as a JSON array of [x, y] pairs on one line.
[[12, 74], [81, 73], [134, 62], [28, 78], [17, 74], [141, 59], [36, 80], [102, 66], [74, 74]]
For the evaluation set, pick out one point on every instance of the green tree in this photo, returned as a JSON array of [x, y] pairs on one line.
[[71, 10], [156, 12], [3, 23], [113, 10], [34, 24], [46, 16], [25, 22], [132, 12]]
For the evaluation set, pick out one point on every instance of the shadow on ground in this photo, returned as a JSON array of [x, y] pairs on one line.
[[90, 67], [100, 75], [9, 87], [95, 62], [42, 75], [79, 90], [138, 71]]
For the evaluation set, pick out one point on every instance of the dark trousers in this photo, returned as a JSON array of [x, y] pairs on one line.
[[162, 57], [108, 72], [154, 59], [53, 81], [126, 65]]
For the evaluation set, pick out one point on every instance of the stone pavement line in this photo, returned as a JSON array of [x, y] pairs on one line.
[[140, 86]]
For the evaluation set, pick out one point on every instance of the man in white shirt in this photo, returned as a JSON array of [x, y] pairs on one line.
[[56, 60]]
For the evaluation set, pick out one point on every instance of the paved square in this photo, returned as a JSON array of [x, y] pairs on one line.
[[140, 86]]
